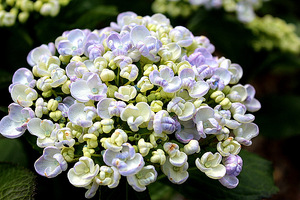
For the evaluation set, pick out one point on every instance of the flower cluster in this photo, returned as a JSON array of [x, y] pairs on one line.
[[132, 100], [272, 32], [244, 9], [11, 10]]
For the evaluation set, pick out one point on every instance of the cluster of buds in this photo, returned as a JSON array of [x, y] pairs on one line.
[[11, 10], [132, 100]]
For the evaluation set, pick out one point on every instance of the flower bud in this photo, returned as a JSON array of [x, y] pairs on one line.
[[192, 147], [52, 105], [158, 157], [107, 75]]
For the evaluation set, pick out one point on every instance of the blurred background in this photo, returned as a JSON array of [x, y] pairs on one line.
[[267, 48]]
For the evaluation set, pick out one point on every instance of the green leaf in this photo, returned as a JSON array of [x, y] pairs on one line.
[[12, 150], [279, 116], [16, 182], [256, 182]]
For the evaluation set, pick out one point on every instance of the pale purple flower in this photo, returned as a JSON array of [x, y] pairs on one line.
[[204, 42], [233, 165], [195, 88], [23, 76], [182, 36], [73, 44], [94, 46], [221, 77], [126, 161], [40, 54], [147, 45], [206, 121], [238, 111], [65, 105], [75, 70], [51, 163], [187, 132], [120, 45], [123, 19], [90, 89], [208, 4], [163, 123], [251, 103], [166, 79], [201, 56], [15, 123]]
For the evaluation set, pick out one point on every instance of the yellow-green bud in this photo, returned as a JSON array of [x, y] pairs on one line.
[[68, 153], [156, 105], [218, 96], [65, 87], [37, 5], [47, 94], [151, 97], [107, 75], [55, 115], [141, 98], [65, 59], [225, 103], [10, 2], [111, 89], [52, 104], [87, 152], [23, 16], [166, 95]]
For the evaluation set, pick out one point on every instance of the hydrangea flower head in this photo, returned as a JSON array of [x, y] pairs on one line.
[[134, 99]]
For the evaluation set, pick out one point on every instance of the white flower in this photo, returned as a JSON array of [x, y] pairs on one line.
[[176, 174], [184, 110], [23, 95], [158, 156], [144, 147], [83, 172], [145, 84], [229, 146], [129, 72], [191, 147], [109, 107], [51, 163], [45, 130], [116, 140], [136, 115], [144, 177], [245, 132], [126, 93], [15, 123], [23, 76], [64, 138], [90, 89], [82, 115], [210, 165], [238, 111], [109, 176]]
